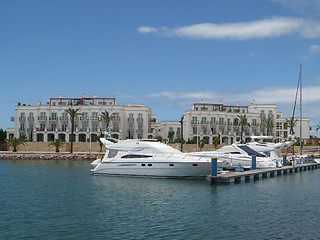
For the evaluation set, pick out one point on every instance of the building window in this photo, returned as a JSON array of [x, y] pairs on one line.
[[64, 127], [53, 127], [195, 132], [194, 120], [94, 116], [42, 126], [115, 127], [94, 127]]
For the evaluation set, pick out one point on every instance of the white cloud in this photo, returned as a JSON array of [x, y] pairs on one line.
[[265, 95], [301, 6], [314, 49], [266, 28], [147, 29]]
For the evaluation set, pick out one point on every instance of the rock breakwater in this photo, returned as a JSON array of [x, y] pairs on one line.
[[50, 156]]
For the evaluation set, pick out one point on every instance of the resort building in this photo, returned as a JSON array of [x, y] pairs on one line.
[[207, 121], [44, 123]]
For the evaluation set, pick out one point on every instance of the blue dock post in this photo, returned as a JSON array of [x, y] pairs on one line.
[[284, 160], [277, 164], [214, 168], [254, 162]]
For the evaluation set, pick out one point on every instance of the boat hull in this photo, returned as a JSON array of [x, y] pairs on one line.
[[154, 169]]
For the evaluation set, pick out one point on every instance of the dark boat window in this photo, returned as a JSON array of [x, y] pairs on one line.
[[149, 165], [112, 153], [194, 165], [143, 165], [136, 156], [250, 151], [171, 164]]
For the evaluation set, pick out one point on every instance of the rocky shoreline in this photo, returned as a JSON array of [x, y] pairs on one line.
[[50, 156]]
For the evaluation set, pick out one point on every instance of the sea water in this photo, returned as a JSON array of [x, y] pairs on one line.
[[62, 200]]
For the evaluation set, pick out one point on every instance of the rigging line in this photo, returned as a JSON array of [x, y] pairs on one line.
[[294, 107]]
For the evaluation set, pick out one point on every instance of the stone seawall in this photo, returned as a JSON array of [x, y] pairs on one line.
[[50, 156]]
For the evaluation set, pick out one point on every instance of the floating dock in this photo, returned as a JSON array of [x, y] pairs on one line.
[[251, 175]]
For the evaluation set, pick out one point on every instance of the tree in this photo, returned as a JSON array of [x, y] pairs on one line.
[[216, 142], [15, 142], [58, 143], [159, 138], [3, 135], [202, 142], [170, 136], [106, 118], [267, 123], [318, 127], [243, 122], [73, 114], [182, 140], [291, 122]]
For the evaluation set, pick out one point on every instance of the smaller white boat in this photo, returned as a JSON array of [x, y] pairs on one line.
[[238, 154], [272, 150]]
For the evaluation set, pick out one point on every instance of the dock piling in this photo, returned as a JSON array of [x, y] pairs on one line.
[[214, 169], [254, 162], [284, 160]]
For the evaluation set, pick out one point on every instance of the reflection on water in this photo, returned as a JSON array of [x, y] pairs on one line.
[[61, 200]]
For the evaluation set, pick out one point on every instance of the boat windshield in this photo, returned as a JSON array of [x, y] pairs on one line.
[[250, 151]]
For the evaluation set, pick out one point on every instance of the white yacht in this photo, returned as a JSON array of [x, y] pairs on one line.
[[149, 158], [238, 154]]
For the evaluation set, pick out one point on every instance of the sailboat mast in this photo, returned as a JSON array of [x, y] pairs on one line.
[[300, 77]]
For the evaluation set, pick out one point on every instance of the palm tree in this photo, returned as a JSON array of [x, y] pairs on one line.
[[170, 136], [182, 140], [243, 122], [291, 122], [106, 118], [318, 127], [268, 123], [15, 142], [73, 114], [58, 143]]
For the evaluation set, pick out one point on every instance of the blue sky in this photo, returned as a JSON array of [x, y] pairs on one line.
[[165, 54]]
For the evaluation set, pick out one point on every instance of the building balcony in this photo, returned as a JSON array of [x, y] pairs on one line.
[[204, 122], [84, 118], [42, 118], [213, 123], [53, 118], [140, 131], [21, 130], [130, 119], [30, 119], [95, 118], [116, 119], [194, 122], [139, 120], [64, 119], [22, 119]]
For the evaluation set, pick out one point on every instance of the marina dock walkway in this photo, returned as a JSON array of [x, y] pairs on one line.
[[236, 177]]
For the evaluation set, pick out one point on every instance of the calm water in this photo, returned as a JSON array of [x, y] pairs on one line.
[[59, 200]]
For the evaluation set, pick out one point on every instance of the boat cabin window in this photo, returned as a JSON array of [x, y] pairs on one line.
[[251, 152], [135, 156], [112, 153]]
